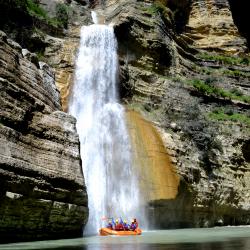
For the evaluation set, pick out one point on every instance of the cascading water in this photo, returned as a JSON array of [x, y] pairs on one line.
[[105, 146]]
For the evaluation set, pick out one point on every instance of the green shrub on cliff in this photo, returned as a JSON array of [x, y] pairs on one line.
[[223, 72], [223, 115], [158, 7], [36, 10], [231, 60], [235, 73], [62, 14], [61, 19], [236, 92], [208, 89]]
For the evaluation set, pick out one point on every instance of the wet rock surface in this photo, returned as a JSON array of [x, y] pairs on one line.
[[42, 186]]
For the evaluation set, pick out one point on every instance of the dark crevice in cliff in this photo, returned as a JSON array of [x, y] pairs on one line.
[[182, 213], [172, 213], [240, 12], [181, 10], [246, 150]]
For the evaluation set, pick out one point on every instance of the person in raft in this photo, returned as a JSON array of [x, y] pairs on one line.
[[126, 226], [122, 225], [134, 225], [118, 225], [110, 225]]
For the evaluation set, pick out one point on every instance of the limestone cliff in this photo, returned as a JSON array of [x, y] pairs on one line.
[[42, 191], [60, 52], [51, 29], [211, 27], [185, 78]]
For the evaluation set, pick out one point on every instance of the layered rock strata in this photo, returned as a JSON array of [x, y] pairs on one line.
[[61, 52], [211, 27], [42, 186]]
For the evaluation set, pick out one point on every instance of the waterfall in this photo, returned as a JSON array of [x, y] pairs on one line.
[[105, 145], [94, 17]]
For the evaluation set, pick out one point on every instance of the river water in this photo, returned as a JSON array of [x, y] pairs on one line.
[[224, 238]]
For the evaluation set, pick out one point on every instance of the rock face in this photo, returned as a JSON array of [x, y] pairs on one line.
[[42, 186], [44, 33], [61, 52], [211, 27], [158, 178], [196, 98]]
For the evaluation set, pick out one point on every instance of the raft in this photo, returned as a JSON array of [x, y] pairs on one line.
[[107, 231]]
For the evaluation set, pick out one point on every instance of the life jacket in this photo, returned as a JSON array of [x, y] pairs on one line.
[[118, 227], [125, 226], [132, 226]]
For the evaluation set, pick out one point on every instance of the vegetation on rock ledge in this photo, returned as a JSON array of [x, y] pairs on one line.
[[222, 59], [28, 12], [209, 89], [221, 114], [62, 14]]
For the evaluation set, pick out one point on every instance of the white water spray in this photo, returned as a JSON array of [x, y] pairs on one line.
[[105, 146], [94, 17]]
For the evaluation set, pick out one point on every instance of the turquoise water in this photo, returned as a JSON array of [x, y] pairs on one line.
[[225, 238]]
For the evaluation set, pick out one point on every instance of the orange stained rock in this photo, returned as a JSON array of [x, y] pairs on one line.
[[65, 69], [64, 82], [158, 177]]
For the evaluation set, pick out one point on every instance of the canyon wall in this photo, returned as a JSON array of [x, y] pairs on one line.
[[42, 186], [211, 27], [62, 51]]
